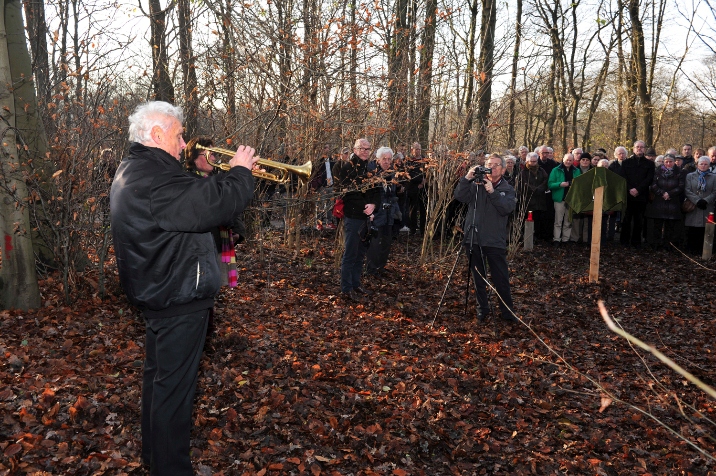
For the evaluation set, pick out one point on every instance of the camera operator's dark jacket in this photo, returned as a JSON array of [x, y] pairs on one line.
[[161, 217], [350, 178], [489, 211]]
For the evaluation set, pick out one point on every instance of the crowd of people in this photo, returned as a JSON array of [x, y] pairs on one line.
[[668, 197]]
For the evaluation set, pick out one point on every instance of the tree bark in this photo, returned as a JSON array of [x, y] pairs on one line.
[[18, 281], [398, 72], [425, 80], [37, 31], [162, 86], [188, 69], [469, 77], [485, 66], [511, 142], [639, 59]]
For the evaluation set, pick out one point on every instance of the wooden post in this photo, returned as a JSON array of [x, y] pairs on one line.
[[708, 238], [529, 237], [596, 235]]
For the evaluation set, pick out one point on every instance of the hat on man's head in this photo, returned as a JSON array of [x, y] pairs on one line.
[[650, 151]]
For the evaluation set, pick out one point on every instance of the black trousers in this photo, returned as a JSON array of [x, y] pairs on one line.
[[497, 261], [379, 250], [632, 222], [417, 212], [173, 351]]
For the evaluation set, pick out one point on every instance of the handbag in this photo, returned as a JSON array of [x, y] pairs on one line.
[[338, 209], [687, 206]]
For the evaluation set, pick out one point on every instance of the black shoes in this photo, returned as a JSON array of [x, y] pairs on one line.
[[482, 315], [361, 290], [352, 295]]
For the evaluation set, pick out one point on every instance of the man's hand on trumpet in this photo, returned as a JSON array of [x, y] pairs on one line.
[[244, 157]]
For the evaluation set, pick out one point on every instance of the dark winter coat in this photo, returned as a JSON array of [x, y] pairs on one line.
[[161, 222], [531, 186], [673, 185], [488, 211], [639, 174], [350, 178]]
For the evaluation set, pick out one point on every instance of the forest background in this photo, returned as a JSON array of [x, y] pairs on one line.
[[290, 78]]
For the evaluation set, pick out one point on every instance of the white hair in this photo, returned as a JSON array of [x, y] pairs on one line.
[[603, 163], [621, 147], [532, 155], [704, 158], [150, 114], [382, 151]]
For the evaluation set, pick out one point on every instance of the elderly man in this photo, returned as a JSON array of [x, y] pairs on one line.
[[167, 265], [639, 173], [531, 185], [546, 163], [358, 207], [490, 201]]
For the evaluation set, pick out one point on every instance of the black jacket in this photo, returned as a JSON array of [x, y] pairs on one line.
[[639, 174], [350, 178], [488, 211], [161, 222]]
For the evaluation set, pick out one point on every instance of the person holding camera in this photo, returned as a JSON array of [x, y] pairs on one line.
[[490, 201], [560, 179]]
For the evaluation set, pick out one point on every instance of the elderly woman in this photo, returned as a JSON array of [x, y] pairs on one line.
[[664, 212], [510, 172], [384, 216], [700, 189]]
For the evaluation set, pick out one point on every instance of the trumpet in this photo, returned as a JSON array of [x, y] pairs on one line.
[[303, 171]]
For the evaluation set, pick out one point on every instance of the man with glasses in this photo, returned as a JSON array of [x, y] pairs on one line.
[[358, 207], [490, 201]]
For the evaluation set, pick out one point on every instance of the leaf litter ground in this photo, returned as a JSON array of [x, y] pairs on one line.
[[297, 380]]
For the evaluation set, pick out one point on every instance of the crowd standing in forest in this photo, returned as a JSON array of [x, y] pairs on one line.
[[668, 201]]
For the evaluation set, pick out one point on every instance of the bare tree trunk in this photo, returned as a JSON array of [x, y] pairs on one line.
[[469, 77], [37, 31], [18, 281], [353, 61], [485, 66], [639, 59], [188, 68], [228, 55], [511, 142], [162, 86], [398, 72], [425, 80]]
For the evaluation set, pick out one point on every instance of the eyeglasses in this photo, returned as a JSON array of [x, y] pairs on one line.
[[364, 148]]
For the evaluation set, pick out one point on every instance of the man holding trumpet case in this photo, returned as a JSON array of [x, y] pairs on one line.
[[167, 265]]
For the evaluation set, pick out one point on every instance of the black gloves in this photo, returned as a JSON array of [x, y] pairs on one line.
[[702, 204]]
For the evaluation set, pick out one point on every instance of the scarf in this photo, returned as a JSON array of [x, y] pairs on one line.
[[568, 176], [667, 172], [702, 180]]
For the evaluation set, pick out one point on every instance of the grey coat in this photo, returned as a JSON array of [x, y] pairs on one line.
[[697, 218], [490, 211]]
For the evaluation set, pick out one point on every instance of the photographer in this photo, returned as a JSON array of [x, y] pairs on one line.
[[490, 201]]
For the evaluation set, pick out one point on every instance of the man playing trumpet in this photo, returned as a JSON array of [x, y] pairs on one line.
[[167, 265]]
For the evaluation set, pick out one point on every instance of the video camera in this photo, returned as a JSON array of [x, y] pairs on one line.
[[480, 172]]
